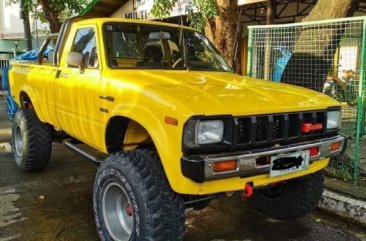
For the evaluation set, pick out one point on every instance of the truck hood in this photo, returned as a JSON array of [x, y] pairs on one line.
[[217, 93]]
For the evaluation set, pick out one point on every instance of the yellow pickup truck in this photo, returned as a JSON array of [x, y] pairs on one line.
[[177, 126]]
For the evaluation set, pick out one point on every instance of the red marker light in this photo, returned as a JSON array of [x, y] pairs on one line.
[[314, 151], [307, 127]]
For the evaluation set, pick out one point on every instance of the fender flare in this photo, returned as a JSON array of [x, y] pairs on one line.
[[33, 97], [154, 128]]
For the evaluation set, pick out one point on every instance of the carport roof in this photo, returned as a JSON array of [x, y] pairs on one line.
[[102, 8]]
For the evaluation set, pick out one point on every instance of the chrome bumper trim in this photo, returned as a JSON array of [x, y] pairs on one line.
[[247, 165], [297, 147]]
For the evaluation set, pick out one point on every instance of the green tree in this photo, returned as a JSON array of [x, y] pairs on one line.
[[218, 18], [53, 11]]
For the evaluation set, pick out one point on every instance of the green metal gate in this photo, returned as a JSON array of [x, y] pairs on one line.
[[327, 56]]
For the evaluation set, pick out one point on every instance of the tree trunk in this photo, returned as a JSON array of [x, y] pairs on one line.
[[27, 31], [324, 9], [328, 9], [51, 16], [221, 29], [310, 63], [268, 40]]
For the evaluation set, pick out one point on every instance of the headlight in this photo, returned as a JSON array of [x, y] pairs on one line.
[[210, 131], [200, 132], [334, 119]]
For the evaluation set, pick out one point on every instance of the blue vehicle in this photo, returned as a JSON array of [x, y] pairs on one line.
[[280, 64]]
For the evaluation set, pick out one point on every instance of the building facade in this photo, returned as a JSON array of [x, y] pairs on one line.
[[12, 30]]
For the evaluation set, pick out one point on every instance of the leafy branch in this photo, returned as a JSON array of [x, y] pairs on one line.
[[52, 11], [198, 11]]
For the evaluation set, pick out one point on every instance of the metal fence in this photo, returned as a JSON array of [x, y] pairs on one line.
[[4, 59], [326, 56]]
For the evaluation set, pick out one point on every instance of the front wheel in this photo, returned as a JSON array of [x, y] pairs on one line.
[[133, 200], [289, 200]]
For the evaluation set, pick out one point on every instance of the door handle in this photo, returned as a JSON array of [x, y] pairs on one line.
[[64, 75]]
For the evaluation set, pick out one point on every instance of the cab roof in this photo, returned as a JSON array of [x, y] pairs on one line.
[[101, 21]]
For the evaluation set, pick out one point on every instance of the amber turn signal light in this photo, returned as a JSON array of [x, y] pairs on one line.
[[171, 121], [335, 146], [224, 166]]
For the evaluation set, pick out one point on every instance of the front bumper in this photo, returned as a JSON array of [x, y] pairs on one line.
[[199, 168]]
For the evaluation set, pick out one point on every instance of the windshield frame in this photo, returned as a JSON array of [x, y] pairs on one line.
[[184, 48]]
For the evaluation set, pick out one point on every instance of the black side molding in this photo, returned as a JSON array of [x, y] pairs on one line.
[[193, 169]]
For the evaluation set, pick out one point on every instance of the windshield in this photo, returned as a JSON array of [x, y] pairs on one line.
[[148, 46]]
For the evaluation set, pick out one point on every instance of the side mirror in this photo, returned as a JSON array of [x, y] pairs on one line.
[[76, 59]]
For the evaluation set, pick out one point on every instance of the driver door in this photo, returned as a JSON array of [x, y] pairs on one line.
[[77, 89]]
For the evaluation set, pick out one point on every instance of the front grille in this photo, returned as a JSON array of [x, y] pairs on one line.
[[277, 128], [261, 129]]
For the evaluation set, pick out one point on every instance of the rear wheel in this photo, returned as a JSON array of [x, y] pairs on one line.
[[289, 200], [31, 141], [133, 200]]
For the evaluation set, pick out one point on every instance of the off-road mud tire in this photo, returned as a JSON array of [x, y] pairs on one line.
[[31, 141], [297, 198], [157, 210]]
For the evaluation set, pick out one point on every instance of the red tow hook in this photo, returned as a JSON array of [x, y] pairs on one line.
[[248, 191]]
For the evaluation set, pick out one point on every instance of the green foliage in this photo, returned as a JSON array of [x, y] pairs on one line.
[[65, 8], [162, 8], [198, 11], [342, 167]]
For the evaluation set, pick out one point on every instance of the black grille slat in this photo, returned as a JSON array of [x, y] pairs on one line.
[[321, 118], [315, 120], [270, 129], [261, 129], [277, 128], [253, 129], [244, 130], [309, 118], [301, 120], [294, 125], [287, 126]]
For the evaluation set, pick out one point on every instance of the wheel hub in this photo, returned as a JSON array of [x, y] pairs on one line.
[[129, 210], [18, 141], [117, 212]]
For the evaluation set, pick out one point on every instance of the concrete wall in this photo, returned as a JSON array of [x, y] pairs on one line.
[[8, 45], [127, 7]]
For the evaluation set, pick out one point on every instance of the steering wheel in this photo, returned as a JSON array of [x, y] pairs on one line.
[[177, 62]]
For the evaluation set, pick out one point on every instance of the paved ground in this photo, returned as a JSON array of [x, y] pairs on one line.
[[56, 205]]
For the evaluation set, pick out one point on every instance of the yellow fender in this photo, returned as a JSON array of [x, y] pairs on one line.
[[158, 131]]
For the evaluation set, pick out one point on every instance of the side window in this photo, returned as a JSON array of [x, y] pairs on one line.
[[85, 43]]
